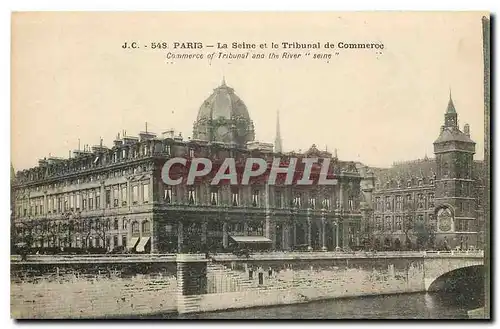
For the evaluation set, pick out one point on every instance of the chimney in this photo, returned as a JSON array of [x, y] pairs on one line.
[[467, 129]]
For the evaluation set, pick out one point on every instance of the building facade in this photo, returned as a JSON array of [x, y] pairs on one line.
[[115, 198], [430, 203]]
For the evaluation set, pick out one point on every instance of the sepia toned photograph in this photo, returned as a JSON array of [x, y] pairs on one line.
[[232, 165]]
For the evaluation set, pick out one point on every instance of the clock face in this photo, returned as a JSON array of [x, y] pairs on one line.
[[444, 219]]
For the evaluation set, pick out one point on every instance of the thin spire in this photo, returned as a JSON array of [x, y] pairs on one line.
[[278, 145], [146, 127], [223, 80], [451, 106]]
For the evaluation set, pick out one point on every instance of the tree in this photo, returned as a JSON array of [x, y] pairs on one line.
[[422, 234]]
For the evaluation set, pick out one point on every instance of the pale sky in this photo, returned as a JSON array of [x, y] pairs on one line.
[[71, 79]]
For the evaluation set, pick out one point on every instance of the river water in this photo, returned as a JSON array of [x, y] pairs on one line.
[[401, 306]]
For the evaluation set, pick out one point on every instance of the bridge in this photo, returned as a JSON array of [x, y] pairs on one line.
[[440, 266]]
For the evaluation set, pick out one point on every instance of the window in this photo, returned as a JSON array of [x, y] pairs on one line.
[[124, 195], [191, 153], [235, 197], [408, 184], [135, 194], [387, 203], [399, 204], [214, 197], [135, 227], [124, 240], [420, 182], [191, 196], [388, 223], [108, 198], [115, 196], [431, 200], [115, 224], [168, 194], [49, 207], [297, 200], [312, 203], [377, 203], [145, 193], [378, 223], [326, 203], [350, 202], [72, 202], [59, 205], [167, 149], [398, 223], [278, 199], [84, 203], [421, 201], [255, 198], [124, 224], [146, 227], [408, 198]]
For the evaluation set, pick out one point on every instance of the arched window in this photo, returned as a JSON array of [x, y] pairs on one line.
[[146, 226], [135, 227]]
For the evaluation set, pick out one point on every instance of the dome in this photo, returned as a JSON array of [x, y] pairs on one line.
[[223, 103]]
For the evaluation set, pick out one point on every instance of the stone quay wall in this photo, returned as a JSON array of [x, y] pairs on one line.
[[71, 288], [103, 287]]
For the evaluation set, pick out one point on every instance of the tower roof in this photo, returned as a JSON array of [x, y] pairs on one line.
[[223, 102], [451, 106], [449, 134]]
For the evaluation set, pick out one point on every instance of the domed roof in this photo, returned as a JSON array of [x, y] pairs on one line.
[[223, 103]]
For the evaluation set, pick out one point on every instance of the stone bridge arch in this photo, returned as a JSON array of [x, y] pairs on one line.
[[438, 265]]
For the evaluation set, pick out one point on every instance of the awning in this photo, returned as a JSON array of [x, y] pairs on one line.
[[250, 239], [142, 244], [132, 242]]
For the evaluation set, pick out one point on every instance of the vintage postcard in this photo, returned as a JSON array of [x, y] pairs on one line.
[[250, 165]]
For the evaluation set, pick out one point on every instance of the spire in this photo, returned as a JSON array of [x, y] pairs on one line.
[[278, 146], [223, 84], [451, 106]]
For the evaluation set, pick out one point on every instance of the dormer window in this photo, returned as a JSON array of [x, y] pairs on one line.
[[235, 201], [191, 197], [168, 194], [312, 203], [420, 182], [408, 184], [326, 203], [214, 197], [255, 198]]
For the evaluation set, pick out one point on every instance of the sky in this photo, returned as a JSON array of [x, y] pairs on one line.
[[72, 80]]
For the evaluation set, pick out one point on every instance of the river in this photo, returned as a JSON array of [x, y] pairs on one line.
[[400, 306]]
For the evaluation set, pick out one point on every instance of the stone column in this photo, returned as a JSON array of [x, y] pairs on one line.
[[44, 212], [341, 195], [204, 232], [308, 231], [103, 196], [323, 234], [129, 193], [224, 235], [286, 236], [180, 236], [294, 238]]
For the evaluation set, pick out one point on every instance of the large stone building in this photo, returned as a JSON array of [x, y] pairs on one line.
[[115, 197], [430, 203]]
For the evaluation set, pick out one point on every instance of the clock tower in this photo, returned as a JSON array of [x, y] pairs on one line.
[[455, 205], [224, 118]]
